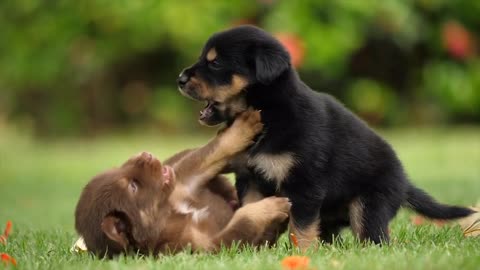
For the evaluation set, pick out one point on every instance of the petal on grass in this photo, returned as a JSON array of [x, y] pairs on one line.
[[296, 263], [4, 236], [294, 240], [8, 229], [79, 246], [418, 220], [7, 259]]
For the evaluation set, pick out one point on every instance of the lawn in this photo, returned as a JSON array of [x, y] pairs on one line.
[[40, 182]]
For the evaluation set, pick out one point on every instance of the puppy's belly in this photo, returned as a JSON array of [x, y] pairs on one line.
[[208, 211]]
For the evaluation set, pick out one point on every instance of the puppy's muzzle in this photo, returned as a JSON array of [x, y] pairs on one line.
[[186, 87]]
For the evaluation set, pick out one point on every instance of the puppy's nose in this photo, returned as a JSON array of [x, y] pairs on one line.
[[146, 156], [182, 79]]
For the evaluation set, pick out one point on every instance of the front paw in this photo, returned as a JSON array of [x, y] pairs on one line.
[[248, 123], [268, 212], [241, 133], [275, 209]]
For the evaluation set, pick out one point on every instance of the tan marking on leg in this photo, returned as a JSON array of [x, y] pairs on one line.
[[274, 167], [212, 54], [306, 237], [356, 217]]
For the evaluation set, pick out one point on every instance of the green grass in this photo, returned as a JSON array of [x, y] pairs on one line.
[[40, 183]]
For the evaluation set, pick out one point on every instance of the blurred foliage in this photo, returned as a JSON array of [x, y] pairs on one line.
[[69, 67]]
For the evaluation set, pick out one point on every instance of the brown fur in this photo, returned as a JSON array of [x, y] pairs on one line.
[[221, 94], [149, 207]]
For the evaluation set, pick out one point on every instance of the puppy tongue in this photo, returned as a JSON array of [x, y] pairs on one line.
[[207, 111]]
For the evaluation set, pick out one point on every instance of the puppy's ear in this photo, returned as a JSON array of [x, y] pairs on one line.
[[116, 227], [270, 62]]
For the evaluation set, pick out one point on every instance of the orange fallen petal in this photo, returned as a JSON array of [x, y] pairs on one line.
[[3, 240], [295, 263], [8, 228], [294, 240], [6, 259], [13, 261], [439, 222], [417, 220]]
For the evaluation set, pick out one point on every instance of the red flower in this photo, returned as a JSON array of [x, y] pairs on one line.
[[8, 228], [294, 46], [4, 257], [296, 263], [7, 259], [457, 40], [419, 220], [4, 236]]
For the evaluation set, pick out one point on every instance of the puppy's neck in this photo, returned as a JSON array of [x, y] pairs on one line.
[[279, 105], [276, 95]]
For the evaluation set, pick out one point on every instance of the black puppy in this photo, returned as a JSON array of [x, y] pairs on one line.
[[334, 168]]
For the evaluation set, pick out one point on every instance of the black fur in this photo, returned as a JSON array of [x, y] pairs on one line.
[[339, 158], [422, 203]]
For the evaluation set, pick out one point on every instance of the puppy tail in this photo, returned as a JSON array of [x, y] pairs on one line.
[[425, 205]]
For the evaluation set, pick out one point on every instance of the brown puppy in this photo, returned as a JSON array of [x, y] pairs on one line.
[[149, 208]]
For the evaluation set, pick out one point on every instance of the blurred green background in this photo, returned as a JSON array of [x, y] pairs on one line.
[[71, 68]]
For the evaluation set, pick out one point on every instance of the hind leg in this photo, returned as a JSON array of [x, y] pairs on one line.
[[329, 232], [304, 223], [370, 216]]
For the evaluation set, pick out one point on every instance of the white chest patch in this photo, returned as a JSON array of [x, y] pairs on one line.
[[197, 214], [274, 167]]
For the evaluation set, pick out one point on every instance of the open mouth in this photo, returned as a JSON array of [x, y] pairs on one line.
[[208, 111]]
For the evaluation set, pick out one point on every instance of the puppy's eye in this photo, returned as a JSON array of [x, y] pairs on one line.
[[133, 186], [215, 64]]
